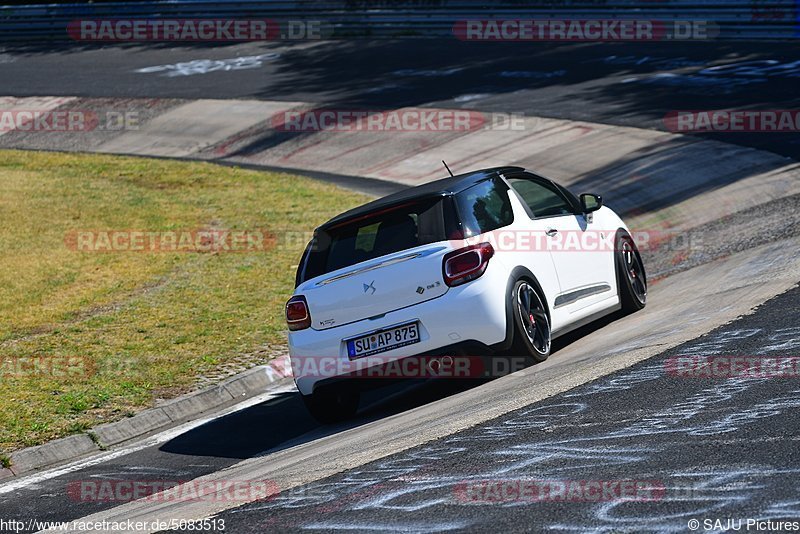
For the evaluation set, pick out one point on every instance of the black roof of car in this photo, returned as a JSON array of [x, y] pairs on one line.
[[443, 187]]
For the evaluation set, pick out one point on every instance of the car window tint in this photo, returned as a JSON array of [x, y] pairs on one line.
[[369, 237], [542, 198], [484, 207], [365, 239]]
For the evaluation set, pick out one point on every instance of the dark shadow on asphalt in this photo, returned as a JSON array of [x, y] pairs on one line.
[[617, 83], [631, 84], [283, 421]]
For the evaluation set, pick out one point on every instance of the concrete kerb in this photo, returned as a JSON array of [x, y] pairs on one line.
[[53, 452]]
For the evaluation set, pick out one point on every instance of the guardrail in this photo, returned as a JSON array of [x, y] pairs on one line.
[[736, 19]]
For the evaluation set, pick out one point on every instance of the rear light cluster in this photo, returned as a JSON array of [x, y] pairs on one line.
[[297, 315], [465, 264]]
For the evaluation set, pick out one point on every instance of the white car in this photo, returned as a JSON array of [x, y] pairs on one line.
[[496, 261]]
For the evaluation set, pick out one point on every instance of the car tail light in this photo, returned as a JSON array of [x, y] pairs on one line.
[[465, 264], [297, 314]]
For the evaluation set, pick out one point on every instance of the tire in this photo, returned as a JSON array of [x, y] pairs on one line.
[[332, 404], [532, 334], [631, 276]]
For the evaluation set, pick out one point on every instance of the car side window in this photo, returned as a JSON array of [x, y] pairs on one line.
[[484, 207], [542, 198]]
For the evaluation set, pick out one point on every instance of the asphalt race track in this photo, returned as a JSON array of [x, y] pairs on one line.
[[606, 406], [616, 83], [273, 439], [206, 449], [711, 449]]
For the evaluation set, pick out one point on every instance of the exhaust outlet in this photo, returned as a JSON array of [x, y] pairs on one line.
[[435, 365]]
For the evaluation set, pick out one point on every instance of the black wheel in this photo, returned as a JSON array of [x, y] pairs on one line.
[[631, 278], [332, 404], [531, 323]]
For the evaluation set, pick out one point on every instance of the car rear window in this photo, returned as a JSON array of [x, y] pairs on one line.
[[385, 232], [480, 208]]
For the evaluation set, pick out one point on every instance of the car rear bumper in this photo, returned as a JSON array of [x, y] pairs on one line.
[[470, 315]]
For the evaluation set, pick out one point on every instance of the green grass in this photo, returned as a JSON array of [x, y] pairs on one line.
[[140, 325]]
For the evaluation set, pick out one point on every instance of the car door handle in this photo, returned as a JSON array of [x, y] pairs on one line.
[[551, 232]]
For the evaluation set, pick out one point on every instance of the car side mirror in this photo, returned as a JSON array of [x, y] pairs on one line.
[[590, 202]]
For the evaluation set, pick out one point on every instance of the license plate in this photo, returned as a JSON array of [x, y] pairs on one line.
[[383, 340]]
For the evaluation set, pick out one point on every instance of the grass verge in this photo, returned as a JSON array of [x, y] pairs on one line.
[[88, 337]]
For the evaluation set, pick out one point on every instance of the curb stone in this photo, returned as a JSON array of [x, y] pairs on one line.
[[255, 381], [109, 434], [56, 451]]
